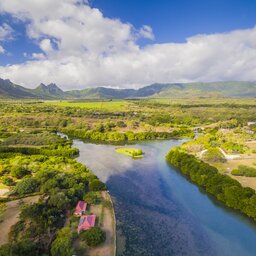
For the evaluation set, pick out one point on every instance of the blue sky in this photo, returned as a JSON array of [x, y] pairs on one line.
[[114, 42], [175, 20]]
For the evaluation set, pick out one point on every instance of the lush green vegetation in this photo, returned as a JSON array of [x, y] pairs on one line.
[[62, 182], [213, 155], [133, 152], [94, 236], [42, 163], [101, 105], [35, 161], [224, 188], [33, 139], [243, 170], [92, 197], [126, 136], [231, 140], [39, 143]]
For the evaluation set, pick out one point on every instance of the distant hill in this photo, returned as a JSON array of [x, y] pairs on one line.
[[48, 91], [11, 90], [173, 90]]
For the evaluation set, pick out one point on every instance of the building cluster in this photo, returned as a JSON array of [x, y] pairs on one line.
[[86, 221]]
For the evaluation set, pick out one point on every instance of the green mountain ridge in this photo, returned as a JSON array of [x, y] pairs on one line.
[[171, 90]]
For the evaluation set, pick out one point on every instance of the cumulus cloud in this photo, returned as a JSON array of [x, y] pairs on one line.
[[82, 48]]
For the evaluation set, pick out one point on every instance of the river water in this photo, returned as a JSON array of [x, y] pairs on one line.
[[159, 212]]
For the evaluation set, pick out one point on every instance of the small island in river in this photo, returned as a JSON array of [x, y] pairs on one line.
[[132, 152]]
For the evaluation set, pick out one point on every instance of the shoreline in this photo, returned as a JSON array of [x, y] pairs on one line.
[[108, 224]]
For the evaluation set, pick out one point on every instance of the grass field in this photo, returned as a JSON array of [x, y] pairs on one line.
[[115, 105], [132, 152]]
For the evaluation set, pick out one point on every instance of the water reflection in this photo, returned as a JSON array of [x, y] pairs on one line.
[[159, 212]]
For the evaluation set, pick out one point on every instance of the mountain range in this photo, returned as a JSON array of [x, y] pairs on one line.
[[170, 90]]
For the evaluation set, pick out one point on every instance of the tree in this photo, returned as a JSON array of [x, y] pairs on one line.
[[92, 197], [62, 245], [59, 200], [23, 247], [26, 186], [214, 155], [94, 236], [96, 185]]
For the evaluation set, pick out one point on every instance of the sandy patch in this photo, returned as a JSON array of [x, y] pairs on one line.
[[3, 192]]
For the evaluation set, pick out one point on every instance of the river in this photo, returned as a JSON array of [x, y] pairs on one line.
[[159, 212]]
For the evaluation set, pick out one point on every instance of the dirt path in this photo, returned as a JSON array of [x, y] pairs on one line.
[[108, 224], [11, 215]]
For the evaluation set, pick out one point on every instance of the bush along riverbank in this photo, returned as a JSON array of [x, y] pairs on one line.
[[224, 188], [127, 136]]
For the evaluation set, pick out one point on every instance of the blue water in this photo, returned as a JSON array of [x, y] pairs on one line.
[[159, 212]]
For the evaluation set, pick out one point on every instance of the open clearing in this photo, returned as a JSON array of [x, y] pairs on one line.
[[247, 160], [11, 215]]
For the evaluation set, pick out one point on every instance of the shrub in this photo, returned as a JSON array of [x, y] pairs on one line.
[[19, 171], [8, 181], [243, 170]]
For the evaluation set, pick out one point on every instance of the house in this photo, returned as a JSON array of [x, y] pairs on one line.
[[86, 222], [80, 208]]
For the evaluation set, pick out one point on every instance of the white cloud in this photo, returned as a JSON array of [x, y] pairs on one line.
[[2, 50], [82, 48], [46, 45], [6, 34], [146, 32]]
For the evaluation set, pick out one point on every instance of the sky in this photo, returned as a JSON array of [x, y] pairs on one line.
[[126, 43]]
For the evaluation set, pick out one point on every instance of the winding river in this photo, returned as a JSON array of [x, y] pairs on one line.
[[159, 212]]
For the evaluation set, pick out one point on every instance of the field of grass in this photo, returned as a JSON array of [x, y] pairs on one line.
[[132, 152], [115, 105]]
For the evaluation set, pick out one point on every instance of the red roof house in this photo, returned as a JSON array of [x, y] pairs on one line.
[[80, 208], [86, 222]]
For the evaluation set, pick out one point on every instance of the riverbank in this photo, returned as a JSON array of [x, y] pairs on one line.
[[158, 211], [222, 187], [128, 136], [107, 222]]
